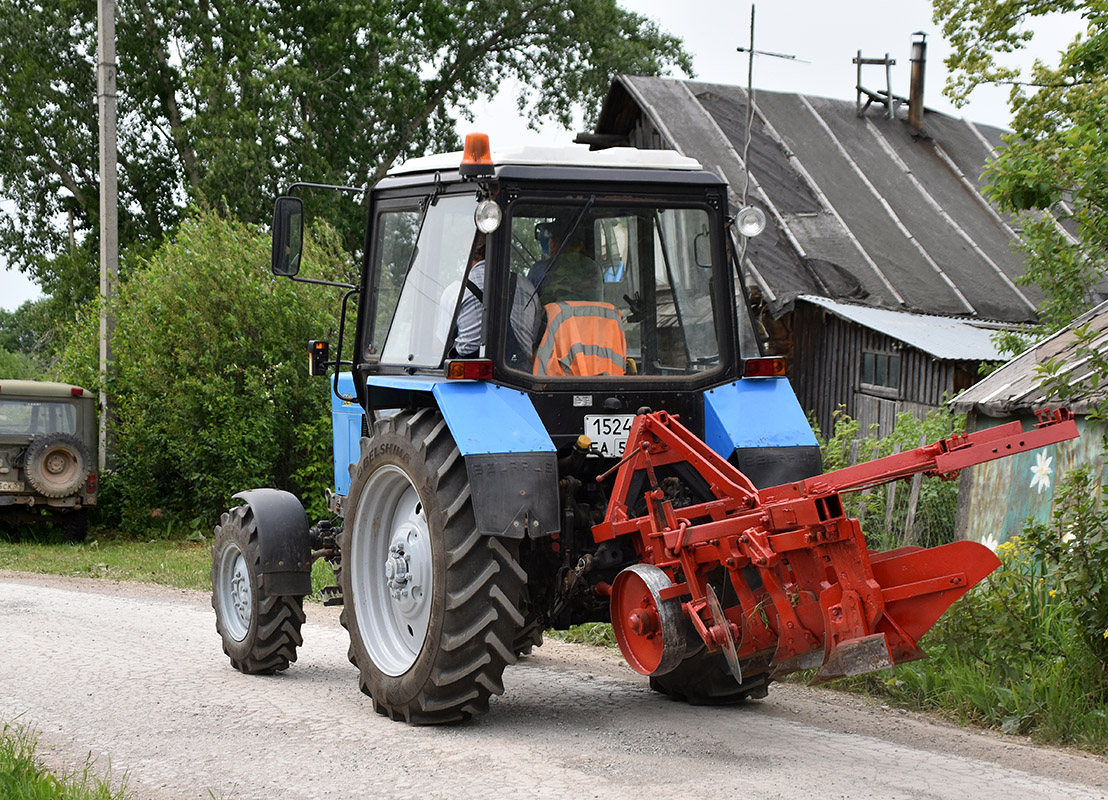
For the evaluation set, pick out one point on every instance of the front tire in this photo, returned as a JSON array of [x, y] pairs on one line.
[[260, 632], [431, 605]]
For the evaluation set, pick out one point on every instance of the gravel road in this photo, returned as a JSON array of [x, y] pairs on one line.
[[133, 676]]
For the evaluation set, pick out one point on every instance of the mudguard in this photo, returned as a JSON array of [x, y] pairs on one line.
[[758, 425], [285, 567], [510, 460]]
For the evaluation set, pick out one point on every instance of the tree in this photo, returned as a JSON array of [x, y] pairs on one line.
[[228, 102], [1055, 163]]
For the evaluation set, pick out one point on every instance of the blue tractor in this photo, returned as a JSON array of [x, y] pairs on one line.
[[516, 310]]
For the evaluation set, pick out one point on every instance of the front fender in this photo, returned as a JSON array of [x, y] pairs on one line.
[[285, 567]]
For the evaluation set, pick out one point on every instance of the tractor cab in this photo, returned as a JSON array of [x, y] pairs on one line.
[[596, 282]]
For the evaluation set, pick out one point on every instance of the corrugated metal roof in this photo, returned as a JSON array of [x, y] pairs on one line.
[[1017, 387], [946, 338], [861, 209]]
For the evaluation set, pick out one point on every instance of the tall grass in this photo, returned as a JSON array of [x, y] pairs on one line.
[[180, 564], [22, 777]]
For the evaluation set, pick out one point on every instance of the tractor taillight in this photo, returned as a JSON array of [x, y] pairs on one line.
[[771, 367], [477, 369], [91, 483]]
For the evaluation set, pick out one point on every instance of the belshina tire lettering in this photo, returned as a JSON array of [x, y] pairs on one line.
[[260, 632], [431, 605]]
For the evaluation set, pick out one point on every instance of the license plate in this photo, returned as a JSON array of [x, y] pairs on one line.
[[11, 486], [608, 433]]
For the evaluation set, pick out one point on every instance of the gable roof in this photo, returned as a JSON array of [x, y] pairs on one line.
[[860, 209], [1017, 387]]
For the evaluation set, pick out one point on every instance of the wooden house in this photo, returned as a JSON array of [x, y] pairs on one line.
[[867, 213]]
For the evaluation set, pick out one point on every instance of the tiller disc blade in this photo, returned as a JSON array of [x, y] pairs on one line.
[[794, 585]]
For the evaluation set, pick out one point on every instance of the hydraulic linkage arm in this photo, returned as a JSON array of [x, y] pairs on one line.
[[779, 578]]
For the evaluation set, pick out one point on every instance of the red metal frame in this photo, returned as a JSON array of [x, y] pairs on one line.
[[802, 588]]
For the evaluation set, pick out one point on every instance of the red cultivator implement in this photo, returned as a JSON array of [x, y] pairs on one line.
[[779, 578]]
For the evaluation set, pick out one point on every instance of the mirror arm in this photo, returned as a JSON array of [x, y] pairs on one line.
[[338, 362], [298, 279]]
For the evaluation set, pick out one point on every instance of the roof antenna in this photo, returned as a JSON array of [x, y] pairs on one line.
[[751, 52]]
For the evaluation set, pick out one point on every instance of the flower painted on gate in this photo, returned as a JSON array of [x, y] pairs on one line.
[[1040, 473]]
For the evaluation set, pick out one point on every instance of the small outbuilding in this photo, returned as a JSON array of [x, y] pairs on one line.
[[995, 499]]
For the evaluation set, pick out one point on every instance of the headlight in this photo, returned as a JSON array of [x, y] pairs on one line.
[[487, 216], [751, 221]]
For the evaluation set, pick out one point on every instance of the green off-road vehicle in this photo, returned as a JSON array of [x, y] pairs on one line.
[[48, 454]]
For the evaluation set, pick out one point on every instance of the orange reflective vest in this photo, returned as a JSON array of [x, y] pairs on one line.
[[581, 339]]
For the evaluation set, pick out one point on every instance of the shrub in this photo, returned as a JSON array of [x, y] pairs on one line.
[[938, 499], [210, 388]]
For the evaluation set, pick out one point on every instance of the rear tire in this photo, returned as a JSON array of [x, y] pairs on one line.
[[431, 605], [260, 632], [75, 524], [56, 464]]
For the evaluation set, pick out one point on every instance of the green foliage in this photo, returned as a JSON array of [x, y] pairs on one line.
[[1010, 654], [1055, 163], [18, 366], [1072, 549], [21, 777], [211, 389], [933, 521], [228, 105], [596, 634]]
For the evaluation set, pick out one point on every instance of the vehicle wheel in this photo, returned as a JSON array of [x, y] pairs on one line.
[[260, 632], [56, 464], [431, 604], [529, 635], [704, 679], [76, 525]]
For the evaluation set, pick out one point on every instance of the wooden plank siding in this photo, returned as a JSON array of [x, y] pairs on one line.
[[825, 367]]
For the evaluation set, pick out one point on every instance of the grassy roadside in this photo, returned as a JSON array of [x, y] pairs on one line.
[[22, 777], [177, 563]]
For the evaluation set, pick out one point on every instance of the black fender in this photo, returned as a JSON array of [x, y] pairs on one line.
[[285, 567]]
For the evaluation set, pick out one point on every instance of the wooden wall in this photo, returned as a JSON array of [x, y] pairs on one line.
[[825, 367]]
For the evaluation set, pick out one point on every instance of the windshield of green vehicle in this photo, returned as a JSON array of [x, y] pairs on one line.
[[618, 290]]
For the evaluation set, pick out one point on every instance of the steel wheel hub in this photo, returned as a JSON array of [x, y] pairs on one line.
[[391, 570], [235, 595], [650, 631]]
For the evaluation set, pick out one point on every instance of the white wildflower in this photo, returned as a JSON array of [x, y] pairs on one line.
[[1040, 473]]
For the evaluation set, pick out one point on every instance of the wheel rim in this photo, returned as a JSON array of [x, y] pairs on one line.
[[60, 467], [650, 631], [235, 596], [391, 571]]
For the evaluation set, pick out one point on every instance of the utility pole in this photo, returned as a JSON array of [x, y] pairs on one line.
[[109, 200]]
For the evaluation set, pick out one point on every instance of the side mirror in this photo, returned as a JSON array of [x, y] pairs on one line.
[[288, 236]]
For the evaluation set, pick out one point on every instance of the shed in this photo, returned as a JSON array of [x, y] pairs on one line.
[[996, 498], [863, 210]]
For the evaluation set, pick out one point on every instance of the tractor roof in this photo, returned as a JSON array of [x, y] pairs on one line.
[[570, 156]]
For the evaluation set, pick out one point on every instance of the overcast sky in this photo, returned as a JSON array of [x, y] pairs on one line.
[[825, 34]]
